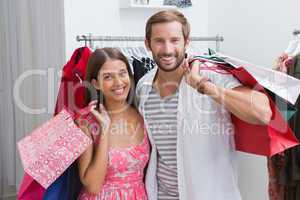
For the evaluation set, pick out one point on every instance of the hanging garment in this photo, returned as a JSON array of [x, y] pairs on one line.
[[290, 175], [284, 169], [178, 3], [68, 185], [141, 67], [284, 63]]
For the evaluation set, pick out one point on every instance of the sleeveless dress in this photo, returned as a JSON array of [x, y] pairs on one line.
[[125, 174]]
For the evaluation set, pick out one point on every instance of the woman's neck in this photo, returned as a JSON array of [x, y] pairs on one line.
[[116, 109]]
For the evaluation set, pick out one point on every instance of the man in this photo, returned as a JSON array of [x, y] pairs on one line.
[[187, 116]]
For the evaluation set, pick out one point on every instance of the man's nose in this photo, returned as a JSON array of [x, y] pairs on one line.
[[168, 48]]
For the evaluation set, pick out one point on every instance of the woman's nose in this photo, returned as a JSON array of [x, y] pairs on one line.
[[118, 81]]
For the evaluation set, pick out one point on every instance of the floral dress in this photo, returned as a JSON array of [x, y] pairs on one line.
[[125, 174]]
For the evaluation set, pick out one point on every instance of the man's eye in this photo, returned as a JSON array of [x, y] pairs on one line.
[[123, 73], [159, 41]]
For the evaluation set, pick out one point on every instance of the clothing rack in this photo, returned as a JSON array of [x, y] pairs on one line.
[[90, 39], [296, 32]]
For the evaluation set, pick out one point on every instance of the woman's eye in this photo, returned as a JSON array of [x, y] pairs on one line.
[[107, 77]]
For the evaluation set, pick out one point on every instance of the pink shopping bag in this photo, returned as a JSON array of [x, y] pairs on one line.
[[51, 148]]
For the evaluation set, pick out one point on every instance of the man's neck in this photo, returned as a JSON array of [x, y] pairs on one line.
[[168, 82], [163, 77]]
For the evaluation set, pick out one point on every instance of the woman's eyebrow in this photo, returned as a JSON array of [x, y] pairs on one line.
[[106, 73]]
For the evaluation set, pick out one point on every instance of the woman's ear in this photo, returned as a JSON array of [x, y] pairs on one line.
[[95, 84]]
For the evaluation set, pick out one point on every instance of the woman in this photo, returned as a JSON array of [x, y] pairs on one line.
[[113, 168]]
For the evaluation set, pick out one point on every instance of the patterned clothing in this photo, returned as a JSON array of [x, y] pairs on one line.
[[125, 174], [161, 115]]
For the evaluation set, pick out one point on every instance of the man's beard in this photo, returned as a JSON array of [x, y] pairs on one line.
[[178, 62]]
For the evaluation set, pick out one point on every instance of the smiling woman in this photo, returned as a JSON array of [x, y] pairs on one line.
[[113, 168]]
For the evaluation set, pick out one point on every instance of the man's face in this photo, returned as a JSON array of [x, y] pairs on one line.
[[167, 45]]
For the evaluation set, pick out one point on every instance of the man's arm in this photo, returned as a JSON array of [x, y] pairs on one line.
[[247, 104]]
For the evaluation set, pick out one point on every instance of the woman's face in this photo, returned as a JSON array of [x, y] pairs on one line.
[[113, 80]]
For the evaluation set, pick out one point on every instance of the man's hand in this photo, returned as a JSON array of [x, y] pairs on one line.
[[192, 75]]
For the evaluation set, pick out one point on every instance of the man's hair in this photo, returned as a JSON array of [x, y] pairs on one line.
[[168, 16]]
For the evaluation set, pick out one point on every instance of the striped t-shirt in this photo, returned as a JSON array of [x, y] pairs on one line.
[[161, 116]]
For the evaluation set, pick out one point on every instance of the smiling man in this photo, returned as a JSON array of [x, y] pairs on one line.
[[188, 118]]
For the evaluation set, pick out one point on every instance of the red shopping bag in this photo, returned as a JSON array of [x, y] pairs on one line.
[[259, 139], [266, 140], [51, 148], [30, 189]]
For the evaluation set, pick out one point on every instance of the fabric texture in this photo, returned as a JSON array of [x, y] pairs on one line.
[[141, 67], [161, 115], [178, 3], [284, 168], [290, 176], [51, 148], [125, 174]]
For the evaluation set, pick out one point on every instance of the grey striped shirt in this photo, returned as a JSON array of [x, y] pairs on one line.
[[161, 116]]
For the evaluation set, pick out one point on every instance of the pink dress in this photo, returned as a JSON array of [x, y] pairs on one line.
[[125, 174]]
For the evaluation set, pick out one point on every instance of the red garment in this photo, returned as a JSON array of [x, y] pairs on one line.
[[73, 73], [284, 63], [71, 92]]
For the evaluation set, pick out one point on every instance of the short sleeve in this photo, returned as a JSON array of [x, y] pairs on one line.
[[221, 78]]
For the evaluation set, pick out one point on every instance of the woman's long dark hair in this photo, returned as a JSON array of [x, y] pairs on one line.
[[95, 62]]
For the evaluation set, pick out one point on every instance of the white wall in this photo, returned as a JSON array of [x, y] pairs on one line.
[[106, 19], [256, 31]]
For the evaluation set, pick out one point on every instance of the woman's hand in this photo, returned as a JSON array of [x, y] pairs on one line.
[[101, 116]]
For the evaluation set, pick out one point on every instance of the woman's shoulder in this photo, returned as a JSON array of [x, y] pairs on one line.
[[135, 115]]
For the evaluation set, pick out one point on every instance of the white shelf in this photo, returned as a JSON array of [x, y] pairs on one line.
[[129, 4]]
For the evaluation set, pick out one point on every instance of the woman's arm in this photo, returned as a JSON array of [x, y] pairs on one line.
[[93, 165], [93, 162]]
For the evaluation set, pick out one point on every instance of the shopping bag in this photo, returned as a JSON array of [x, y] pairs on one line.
[[266, 140], [30, 189], [51, 148]]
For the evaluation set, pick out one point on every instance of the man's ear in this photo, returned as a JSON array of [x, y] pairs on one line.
[[147, 44], [95, 84]]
